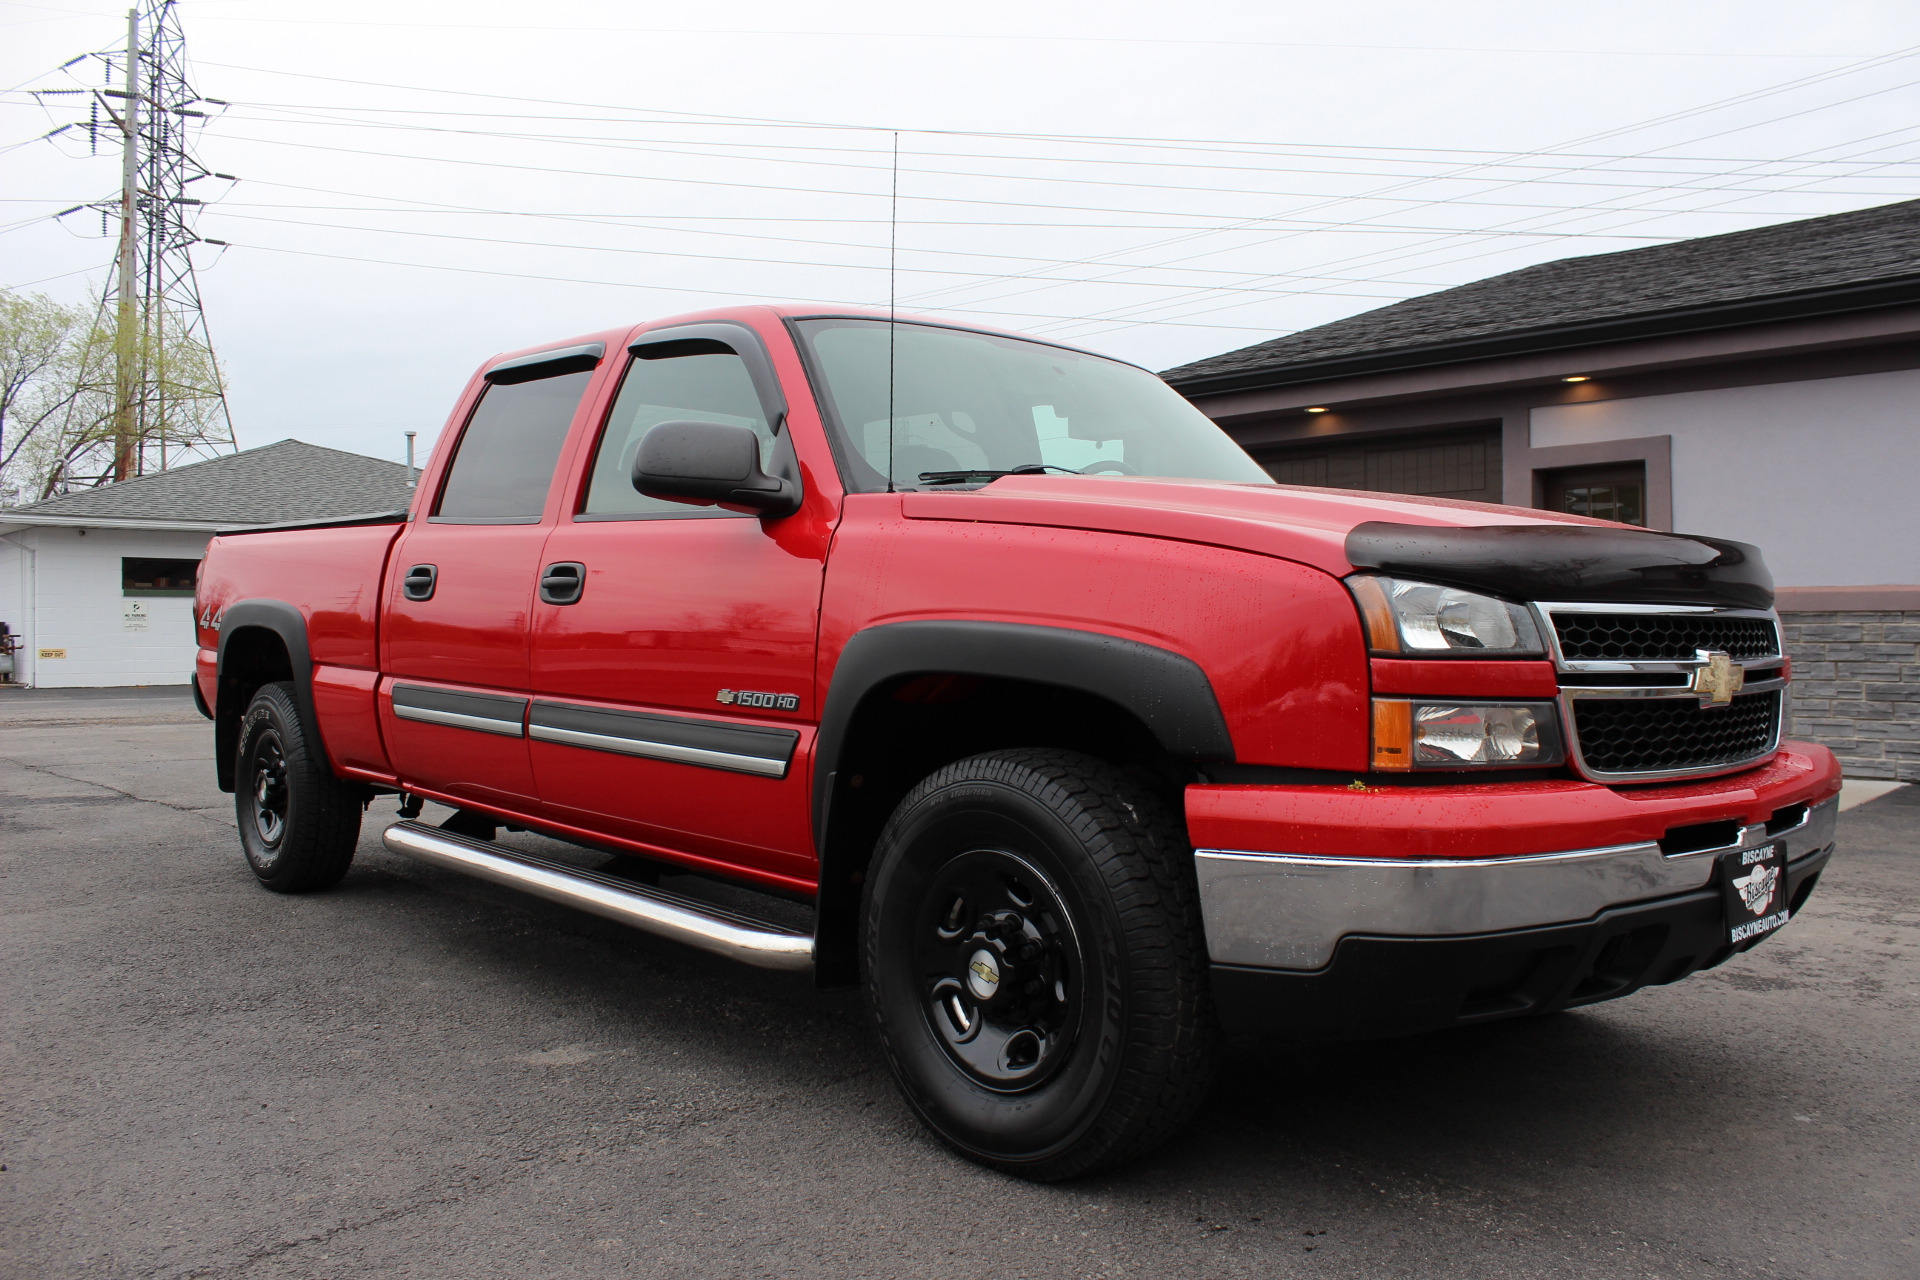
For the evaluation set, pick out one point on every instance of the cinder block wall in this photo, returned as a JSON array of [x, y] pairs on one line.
[[1856, 688]]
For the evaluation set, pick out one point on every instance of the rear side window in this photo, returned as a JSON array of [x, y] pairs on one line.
[[698, 380], [506, 457]]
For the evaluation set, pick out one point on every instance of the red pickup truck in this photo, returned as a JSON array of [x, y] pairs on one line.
[[1080, 738]]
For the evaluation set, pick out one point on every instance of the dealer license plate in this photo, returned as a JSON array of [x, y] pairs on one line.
[[1753, 883]]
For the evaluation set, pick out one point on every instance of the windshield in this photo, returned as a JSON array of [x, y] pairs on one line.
[[968, 407]]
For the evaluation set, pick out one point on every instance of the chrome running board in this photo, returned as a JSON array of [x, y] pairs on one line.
[[667, 915]]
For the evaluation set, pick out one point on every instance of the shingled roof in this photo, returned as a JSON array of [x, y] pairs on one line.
[[274, 484], [1816, 266]]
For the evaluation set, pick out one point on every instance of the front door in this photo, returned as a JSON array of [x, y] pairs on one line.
[[673, 689], [460, 595]]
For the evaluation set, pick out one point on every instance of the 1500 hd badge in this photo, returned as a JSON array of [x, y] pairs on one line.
[[761, 701]]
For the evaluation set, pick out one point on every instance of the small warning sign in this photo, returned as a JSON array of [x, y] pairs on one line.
[[53, 653], [133, 615]]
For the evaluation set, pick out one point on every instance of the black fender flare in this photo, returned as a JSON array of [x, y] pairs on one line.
[[286, 622], [1168, 692]]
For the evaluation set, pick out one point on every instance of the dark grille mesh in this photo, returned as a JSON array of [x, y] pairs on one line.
[[1661, 637], [1646, 735]]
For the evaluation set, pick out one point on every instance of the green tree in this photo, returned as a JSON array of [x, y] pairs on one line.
[[37, 348], [57, 397]]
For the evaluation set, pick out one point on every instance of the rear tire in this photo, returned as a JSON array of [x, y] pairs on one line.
[[299, 825], [1036, 965]]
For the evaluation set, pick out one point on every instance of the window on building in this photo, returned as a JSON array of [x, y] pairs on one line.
[[144, 576], [1615, 491], [504, 465]]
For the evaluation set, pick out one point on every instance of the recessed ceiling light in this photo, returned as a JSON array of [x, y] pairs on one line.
[[1319, 408], [1578, 377]]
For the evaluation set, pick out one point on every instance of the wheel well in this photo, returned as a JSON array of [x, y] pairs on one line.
[[251, 657], [908, 727]]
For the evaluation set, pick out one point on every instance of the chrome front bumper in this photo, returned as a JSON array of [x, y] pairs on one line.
[[1289, 911]]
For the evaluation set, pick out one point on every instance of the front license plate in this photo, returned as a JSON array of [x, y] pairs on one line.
[[1753, 882]]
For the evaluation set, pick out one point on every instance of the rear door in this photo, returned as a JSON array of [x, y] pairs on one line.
[[673, 690], [461, 588]]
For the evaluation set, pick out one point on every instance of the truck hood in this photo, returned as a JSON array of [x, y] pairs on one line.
[[1514, 551]]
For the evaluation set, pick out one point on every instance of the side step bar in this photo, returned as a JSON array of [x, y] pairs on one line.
[[715, 929]]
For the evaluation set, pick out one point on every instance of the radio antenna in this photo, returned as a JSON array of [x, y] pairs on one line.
[[893, 257]]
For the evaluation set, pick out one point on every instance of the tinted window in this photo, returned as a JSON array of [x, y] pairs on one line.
[[699, 381], [966, 402], [508, 451]]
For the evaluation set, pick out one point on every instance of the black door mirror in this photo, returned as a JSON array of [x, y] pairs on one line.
[[711, 463]]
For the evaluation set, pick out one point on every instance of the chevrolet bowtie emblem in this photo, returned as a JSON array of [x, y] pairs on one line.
[[1719, 679]]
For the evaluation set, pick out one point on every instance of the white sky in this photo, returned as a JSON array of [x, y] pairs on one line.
[[1321, 160]]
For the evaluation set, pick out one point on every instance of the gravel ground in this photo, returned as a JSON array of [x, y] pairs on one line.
[[419, 1075]]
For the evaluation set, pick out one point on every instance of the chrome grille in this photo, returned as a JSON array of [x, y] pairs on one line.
[[1657, 735], [1662, 637], [1638, 684]]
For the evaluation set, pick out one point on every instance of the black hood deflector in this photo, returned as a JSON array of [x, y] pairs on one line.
[[1570, 562]]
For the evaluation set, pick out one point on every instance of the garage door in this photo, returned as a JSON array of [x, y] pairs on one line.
[[1452, 464]]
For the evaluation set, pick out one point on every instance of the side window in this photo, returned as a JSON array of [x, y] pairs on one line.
[[699, 380], [507, 453]]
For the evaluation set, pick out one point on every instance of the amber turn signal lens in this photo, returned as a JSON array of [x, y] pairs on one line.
[[1383, 635], [1392, 735]]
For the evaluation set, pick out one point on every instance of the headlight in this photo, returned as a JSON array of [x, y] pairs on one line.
[[1420, 619], [1410, 734]]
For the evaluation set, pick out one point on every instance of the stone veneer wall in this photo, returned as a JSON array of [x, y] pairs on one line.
[[1856, 688]]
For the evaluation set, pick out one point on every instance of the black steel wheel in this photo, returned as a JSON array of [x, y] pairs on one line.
[[269, 778], [298, 823], [1001, 967], [1035, 962]]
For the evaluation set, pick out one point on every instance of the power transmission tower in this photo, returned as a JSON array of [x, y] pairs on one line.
[[169, 402]]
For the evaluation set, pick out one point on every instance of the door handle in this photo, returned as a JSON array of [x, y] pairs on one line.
[[419, 582], [562, 583]]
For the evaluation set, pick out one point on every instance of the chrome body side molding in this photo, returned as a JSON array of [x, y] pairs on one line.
[[667, 915], [1289, 911], [713, 744], [485, 712]]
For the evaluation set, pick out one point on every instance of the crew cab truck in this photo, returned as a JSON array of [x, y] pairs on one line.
[[1082, 738]]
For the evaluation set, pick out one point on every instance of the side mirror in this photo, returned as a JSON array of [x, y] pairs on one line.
[[705, 463]]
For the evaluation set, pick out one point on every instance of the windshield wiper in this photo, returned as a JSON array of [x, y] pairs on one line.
[[962, 477]]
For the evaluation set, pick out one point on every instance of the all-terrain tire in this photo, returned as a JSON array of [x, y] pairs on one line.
[[1036, 964], [299, 824]]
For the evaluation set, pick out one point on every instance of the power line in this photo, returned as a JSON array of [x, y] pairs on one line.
[[606, 219], [1184, 146], [1493, 169], [790, 189], [1711, 106], [678, 150], [710, 293], [1668, 118], [781, 262], [708, 118], [328, 114], [1138, 311], [999, 37]]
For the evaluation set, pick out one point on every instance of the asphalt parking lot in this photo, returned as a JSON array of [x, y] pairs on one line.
[[420, 1075]]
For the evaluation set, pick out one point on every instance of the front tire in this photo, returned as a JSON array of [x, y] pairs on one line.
[[1036, 965], [299, 825]]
